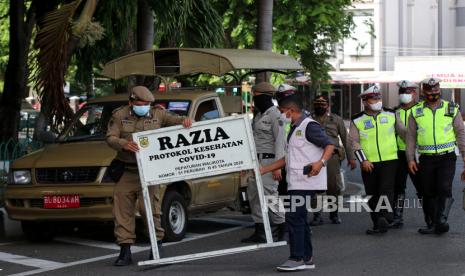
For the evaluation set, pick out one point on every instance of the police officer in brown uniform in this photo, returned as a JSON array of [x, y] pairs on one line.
[[335, 129], [135, 117]]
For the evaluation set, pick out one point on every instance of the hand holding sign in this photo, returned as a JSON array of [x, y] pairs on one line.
[[131, 146], [187, 123]]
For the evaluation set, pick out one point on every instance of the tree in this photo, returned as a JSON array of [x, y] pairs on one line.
[[307, 29], [22, 21], [264, 35], [186, 23]]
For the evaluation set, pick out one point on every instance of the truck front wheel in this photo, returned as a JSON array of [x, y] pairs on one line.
[[174, 218]]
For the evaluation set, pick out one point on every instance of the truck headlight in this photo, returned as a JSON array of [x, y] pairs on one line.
[[21, 177]]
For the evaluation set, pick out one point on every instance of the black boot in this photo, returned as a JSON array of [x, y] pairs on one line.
[[427, 217], [398, 211], [429, 209], [258, 236], [444, 205], [279, 232], [160, 250], [124, 257], [334, 217], [317, 219]]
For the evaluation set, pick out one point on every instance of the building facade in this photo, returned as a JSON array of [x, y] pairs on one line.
[[399, 39]]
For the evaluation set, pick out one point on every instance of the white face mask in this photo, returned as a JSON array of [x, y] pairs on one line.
[[377, 106], [285, 119], [405, 98]]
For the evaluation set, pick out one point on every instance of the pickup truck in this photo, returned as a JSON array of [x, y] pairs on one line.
[[68, 180]]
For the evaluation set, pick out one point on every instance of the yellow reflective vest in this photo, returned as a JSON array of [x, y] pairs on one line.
[[403, 114], [377, 135], [435, 130]]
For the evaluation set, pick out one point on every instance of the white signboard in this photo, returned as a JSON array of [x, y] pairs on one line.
[[207, 148]]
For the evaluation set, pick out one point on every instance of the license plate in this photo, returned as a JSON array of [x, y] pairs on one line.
[[61, 201]]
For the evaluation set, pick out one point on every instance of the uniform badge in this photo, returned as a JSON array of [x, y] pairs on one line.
[[368, 124], [298, 133], [383, 120], [144, 142], [419, 112]]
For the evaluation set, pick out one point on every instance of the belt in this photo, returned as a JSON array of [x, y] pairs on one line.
[[437, 154], [266, 155]]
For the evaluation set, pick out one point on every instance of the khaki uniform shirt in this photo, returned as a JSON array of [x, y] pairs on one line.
[[124, 123], [335, 128], [268, 132]]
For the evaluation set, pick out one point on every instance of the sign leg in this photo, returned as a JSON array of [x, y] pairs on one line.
[[263, 204], [150, 222]]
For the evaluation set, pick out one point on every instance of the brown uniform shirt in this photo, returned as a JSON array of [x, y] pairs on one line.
[[411, 140], [335, 128], [124, 123]]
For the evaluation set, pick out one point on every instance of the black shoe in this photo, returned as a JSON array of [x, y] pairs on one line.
[[373, 231], [444, 206], [258, 236], [124, 257], [396, 224], [442, 228], [429, 229], [317, 219]]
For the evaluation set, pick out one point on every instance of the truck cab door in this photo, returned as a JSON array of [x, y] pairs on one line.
[[218, 188]]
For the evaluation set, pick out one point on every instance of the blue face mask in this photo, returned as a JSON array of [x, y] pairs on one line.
[[141, 110]]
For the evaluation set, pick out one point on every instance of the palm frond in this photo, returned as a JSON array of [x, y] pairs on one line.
[[52, 55]]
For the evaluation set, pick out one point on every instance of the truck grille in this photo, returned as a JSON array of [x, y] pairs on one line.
[[67, 175]]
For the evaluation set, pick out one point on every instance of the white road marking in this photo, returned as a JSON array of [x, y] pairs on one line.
[[28, 261], [227, 221], [134, 249]]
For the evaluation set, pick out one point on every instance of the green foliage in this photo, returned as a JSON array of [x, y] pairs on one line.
[[4, 38], [180, 23], [307, 29], [310, 28]]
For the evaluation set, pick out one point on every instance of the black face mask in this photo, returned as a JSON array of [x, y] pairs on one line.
[[262, 102], [433, 97], [320, 111]]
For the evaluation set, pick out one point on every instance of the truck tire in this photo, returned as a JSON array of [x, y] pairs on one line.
[[37, 231], [174, 218]]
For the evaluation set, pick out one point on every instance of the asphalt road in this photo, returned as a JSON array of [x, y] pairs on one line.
[[338, 249]]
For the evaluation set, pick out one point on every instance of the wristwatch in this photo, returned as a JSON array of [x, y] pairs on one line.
[[323, 161]]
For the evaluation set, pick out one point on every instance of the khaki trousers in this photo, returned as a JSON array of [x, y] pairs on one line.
[[126, 193], [270, 188]]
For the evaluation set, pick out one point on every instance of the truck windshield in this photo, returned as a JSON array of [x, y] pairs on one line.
[[176, 106], [90, 122]]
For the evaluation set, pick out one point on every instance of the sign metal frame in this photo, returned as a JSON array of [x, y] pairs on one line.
[[148, 206]]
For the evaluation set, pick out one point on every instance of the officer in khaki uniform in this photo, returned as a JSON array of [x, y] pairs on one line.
[[269, 139], [135, 117], [435, 127], [335, 129]]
